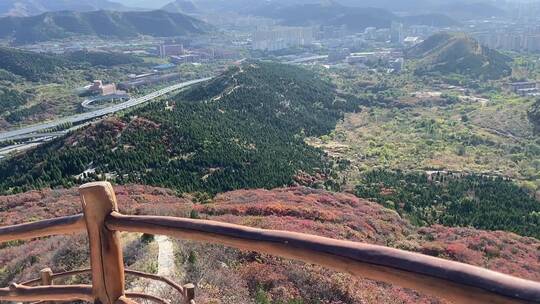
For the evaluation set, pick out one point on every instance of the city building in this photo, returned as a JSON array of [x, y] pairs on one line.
[[524, 88], [397, 33], [339, 55], [279, 38], [397, 64], [148, 80], [165, 66], [188, 58], [528, 92], [99, 88], [166, 50], [522, 41], [411, 41]]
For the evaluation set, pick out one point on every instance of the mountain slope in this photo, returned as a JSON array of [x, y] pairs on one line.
[[243, 129], [241, 277], [448, 53], [37, 67], [36, 7], [56, 25], [466, 201], [31, 66]]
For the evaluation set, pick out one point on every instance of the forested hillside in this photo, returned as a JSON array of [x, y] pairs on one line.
[[244, 129], [105, 59], [50, 67], [57, 25], [10, 99], [31, 66], [445, 53], [483, 202]]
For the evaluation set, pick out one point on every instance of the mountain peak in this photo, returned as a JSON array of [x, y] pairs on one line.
[[24, 8], [102, 23], [461, 54]]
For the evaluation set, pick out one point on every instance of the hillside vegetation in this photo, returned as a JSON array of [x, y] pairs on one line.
[[58, 25], [244, 129], [49, 67], [418, 128], [32, 66], [223, 274], [104, 59], [446, 53], [455, 200]]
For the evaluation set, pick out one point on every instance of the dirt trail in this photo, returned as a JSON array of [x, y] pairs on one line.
[[165, 268], [165, 256]]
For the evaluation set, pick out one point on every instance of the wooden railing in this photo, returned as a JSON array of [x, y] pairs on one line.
[[457, 282]]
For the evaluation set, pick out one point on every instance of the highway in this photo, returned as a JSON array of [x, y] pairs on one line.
[[97, 113], [308, 59], [38, 135]]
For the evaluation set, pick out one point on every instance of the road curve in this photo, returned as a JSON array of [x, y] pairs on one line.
[[98, 113]]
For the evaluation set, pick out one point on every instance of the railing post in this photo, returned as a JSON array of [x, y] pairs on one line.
[[46, 276], [189, 293], [46, 279], [98, 201]]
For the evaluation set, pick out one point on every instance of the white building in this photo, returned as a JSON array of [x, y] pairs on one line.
[[279, 38]]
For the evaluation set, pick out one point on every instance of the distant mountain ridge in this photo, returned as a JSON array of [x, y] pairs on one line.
[[57, 25], [24, 8], [461, 9], [334, 14], [446, 53]]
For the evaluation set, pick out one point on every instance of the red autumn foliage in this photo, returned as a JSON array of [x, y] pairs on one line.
[[108, 127], [300, 209]]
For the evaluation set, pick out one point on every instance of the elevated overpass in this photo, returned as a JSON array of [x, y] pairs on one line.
[[39, 130]]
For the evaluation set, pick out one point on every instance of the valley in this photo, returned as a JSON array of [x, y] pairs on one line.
[[464, 137]]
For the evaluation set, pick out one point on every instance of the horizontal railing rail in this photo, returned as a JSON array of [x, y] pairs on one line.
[[57, 226], [457, 282], [58, 276], [16, 292], [154, 277], [140, 274], [139, 295], [182, 290]]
